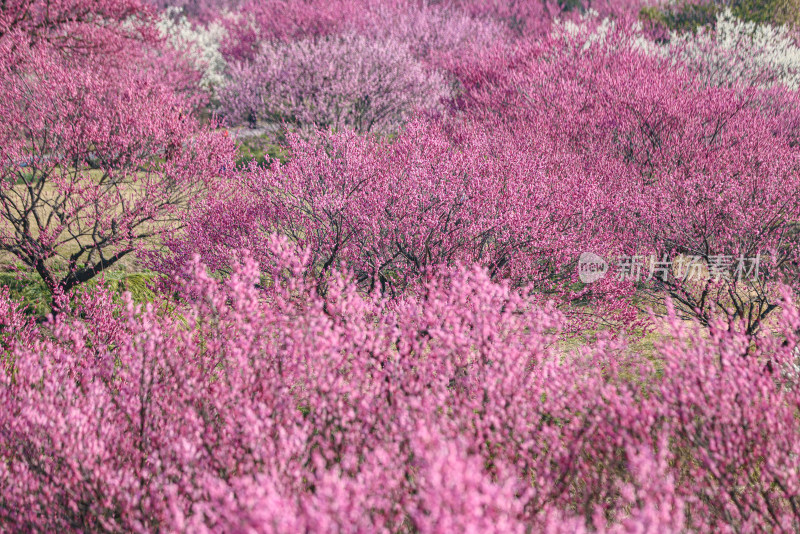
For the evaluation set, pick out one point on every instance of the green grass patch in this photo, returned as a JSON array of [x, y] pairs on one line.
[[29, 290], [262, 149]]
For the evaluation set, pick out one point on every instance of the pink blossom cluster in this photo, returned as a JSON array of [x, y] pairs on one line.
[[343, 82], [279, 409], [258, 22], [315, 64], [690, 169], [550, 150], [391, 212]]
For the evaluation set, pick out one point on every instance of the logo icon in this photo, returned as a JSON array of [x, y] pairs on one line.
[[591, 267]]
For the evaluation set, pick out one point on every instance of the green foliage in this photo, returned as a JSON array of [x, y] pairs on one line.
[[767, 12], [29, 290], [36, 300], [687, 15], [264, 149], [571, 5], [137, 284]]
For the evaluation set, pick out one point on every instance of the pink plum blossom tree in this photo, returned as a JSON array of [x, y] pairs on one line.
[[99, 149], [334, 82]]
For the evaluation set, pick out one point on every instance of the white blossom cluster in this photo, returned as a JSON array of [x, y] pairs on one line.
[[587, 29], [733, 53], [200, 42], [738, 52]]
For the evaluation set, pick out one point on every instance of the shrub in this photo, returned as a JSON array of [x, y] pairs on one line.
[[202, 11], [258, 22], [434, 35], [393, 210], [78, 26], [337, 82], [536, 18]]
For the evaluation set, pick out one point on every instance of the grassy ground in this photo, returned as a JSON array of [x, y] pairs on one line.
[[259, 148]]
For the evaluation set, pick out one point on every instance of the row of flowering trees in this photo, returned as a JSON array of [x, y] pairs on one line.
[[375, 333], [584, 143]]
